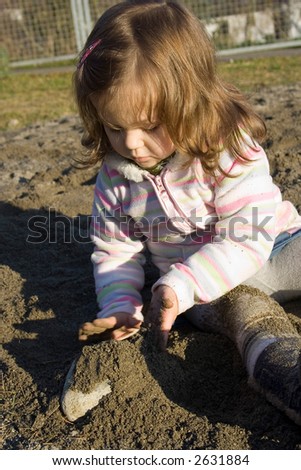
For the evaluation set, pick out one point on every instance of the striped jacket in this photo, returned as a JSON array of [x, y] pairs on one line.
[[205, 234]]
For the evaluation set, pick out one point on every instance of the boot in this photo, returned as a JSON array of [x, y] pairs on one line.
[[269, 345]]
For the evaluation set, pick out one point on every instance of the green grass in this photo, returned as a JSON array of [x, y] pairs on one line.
[[251, 75], [28, 98]]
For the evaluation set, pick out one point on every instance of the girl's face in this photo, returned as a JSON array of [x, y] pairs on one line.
[[144, 142]]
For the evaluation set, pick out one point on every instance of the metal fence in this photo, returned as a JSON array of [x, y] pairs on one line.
[[37, 31]]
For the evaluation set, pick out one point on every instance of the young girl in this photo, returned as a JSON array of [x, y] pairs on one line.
[[182, 175]]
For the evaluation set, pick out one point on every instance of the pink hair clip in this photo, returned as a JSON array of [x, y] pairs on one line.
[[88, 52]]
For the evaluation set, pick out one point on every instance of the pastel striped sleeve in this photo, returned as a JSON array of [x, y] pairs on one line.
[[245, 206], [117, 258]]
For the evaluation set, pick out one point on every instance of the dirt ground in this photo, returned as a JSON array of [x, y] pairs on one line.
[[195, 396]]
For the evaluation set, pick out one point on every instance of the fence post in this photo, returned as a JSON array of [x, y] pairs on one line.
[[81, 20]]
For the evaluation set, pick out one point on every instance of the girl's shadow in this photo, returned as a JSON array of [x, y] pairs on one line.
[[48, 290]]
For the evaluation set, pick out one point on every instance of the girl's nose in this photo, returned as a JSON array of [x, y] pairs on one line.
[[133, 139]]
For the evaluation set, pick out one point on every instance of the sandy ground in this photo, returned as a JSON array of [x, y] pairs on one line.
[[194, 397]]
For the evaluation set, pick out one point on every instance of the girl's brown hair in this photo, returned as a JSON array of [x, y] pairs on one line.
[[156, 56]]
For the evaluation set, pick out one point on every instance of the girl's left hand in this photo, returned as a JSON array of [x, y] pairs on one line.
[[162, 313], [119, 326]]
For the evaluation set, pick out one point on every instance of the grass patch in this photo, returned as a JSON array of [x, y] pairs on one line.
[[253, 74], [27, 98]]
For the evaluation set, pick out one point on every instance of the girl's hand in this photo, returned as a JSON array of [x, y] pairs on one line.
[[162, 313], [118, 327]]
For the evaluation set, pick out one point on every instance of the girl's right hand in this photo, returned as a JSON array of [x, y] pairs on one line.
[[118, 327]]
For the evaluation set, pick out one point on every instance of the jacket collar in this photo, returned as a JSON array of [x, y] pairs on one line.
[[133, 172]]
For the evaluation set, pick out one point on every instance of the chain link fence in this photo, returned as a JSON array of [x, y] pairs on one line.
[[37, 31]]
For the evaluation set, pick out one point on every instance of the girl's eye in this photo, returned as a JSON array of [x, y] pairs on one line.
[[119, 129], [153, 129], [114, 129]]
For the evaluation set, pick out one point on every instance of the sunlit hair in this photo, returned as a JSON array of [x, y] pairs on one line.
[[156, 57]]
